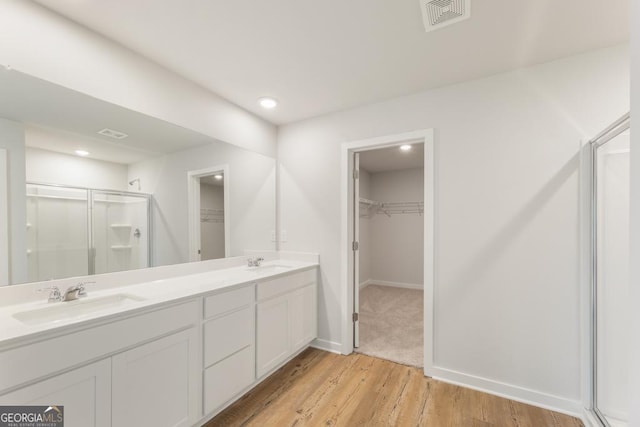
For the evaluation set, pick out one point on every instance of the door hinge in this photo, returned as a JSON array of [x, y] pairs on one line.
[[355, 246], [355, 317], [356, 174]]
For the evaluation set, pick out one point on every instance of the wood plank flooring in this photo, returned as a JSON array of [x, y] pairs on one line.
[[318, 388]]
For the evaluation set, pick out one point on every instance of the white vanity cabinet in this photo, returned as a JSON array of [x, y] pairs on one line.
[[286, 318], [84, 392], [229, 345], [176, 363], [147, 373], [153, 384]]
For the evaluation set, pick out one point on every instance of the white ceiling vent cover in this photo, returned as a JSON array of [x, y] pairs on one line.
[[438, 14], [113, 133]]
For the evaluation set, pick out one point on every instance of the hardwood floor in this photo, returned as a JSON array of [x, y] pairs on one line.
[[318, 388]]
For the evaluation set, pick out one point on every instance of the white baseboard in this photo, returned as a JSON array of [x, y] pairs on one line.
[[331, 346], [365, 283], [520, 394], [395, 284]]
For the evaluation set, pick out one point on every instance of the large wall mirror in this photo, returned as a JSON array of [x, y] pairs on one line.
[[92, 187]]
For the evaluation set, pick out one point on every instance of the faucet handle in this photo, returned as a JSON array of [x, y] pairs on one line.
[[82, 292], [54, 295]]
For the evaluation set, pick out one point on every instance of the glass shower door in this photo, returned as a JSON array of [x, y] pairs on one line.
[[120, 238], [611, 279], [57, 232]]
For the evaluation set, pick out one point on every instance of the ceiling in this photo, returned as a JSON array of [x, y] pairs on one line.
[[392, 159], [63, 120], [324, 56]]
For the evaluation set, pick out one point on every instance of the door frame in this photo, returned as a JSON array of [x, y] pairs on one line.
[[193, 195], [426, 137], [4, 220]]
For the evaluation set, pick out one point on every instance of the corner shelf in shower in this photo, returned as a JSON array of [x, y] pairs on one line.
[[120, 225]]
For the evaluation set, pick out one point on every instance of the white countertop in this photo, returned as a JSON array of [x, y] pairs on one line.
[[137, 297]]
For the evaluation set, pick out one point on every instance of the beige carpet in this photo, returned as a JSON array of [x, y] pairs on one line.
[[391, 324]]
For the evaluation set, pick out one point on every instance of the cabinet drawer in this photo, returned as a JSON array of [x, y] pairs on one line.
[[227, 378], [228, 301], [284, 284], [227, 334]]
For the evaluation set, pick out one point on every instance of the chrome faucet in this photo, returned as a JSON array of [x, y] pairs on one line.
[[76, 291], [72, 293], [254, 262]]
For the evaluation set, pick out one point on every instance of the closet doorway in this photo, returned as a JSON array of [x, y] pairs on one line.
[[389, 222], [208, 211]]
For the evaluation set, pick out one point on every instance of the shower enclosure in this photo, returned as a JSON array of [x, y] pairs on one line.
[[610, 273], [79, 231]]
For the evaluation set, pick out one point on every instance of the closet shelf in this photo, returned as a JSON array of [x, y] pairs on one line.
[[212, 215], [369, 208]]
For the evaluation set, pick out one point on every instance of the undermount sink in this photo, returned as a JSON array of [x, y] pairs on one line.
[[270, 269], [60, 311]]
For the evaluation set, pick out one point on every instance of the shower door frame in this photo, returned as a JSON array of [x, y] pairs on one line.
[[90, 241], [90, 201], [608, 134]]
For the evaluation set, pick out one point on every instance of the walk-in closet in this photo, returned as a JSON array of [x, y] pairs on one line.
[[391, 253]]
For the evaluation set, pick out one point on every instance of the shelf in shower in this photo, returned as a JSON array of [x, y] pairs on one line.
[[120, 226]]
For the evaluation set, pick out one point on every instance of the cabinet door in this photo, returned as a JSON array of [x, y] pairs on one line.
[[303, 317], [272, 333], [156, 384], [84, 392]]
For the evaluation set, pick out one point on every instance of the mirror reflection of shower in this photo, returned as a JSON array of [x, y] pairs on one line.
[[75, 231]]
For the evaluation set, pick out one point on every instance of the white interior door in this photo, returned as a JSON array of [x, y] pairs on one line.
[[355, 249]]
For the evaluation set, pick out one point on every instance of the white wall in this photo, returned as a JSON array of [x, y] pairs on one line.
[[12, 139], [50, 47], [48, 167], [507, 238], [251, 180], [397, 244], [634, 291], [212, 233]]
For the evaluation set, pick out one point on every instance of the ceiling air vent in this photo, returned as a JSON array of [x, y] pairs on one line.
[[113, 133], [437, 14]]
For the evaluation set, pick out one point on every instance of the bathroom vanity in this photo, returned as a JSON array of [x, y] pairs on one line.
[[172, 352]]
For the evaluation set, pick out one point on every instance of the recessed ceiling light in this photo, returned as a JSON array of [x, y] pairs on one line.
[[218, 177], [82, 153], [267, 102], [405, 147]]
